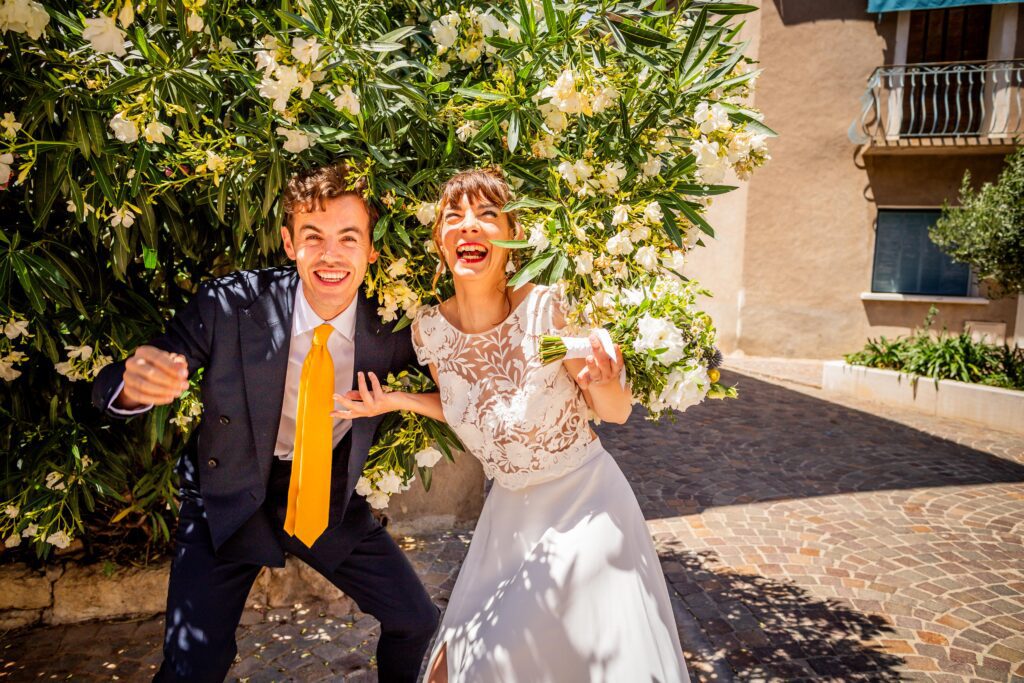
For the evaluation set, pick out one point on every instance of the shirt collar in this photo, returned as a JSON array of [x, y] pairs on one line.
[[306, 320]]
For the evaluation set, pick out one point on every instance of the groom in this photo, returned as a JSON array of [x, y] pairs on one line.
[[269, 340]]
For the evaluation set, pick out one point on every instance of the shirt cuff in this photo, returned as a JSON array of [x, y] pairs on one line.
[[121, 411]]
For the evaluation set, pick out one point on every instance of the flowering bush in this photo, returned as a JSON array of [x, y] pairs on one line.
[[144, 147]]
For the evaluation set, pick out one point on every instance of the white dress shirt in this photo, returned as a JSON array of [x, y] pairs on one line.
[[341, 345]]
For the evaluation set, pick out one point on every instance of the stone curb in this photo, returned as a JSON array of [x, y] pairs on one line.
[[997, 408], [72, 593]]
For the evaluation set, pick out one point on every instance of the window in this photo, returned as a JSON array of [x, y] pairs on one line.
[[908, 262], [945, 102]]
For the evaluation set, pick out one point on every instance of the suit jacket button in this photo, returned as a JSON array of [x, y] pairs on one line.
[[224, 419], [212, 462]]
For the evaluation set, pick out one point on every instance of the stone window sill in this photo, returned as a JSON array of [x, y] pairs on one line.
[[926, 298]]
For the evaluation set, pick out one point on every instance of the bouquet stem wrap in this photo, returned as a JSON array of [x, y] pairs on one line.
[[553, 348]]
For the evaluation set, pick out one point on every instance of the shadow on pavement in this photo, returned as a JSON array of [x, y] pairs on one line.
[[775, 443], [759, 628]]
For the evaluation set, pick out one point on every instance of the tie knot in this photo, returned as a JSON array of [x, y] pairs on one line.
[[321, 333]]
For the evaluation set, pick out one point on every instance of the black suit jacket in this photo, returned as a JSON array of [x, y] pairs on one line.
[[238, 328]]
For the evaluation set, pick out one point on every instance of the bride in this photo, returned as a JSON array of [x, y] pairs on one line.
[[561, 582]]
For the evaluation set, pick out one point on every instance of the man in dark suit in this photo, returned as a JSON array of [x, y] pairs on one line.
[[254, 332]]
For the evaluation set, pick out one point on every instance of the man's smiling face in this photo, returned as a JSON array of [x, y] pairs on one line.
[[332, 250]]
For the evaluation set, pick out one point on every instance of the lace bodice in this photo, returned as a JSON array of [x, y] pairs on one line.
[[526, 422]]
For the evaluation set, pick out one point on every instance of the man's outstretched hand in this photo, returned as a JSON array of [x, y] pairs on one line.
[[152, 378]]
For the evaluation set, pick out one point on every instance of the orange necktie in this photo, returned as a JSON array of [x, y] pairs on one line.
[[309, 491]]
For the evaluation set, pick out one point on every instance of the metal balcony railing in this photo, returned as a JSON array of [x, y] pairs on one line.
[[936, 103]]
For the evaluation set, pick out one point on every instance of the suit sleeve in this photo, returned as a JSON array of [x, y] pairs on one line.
[[190, 333]]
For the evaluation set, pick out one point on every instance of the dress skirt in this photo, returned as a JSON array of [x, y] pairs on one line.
[[562, 584]]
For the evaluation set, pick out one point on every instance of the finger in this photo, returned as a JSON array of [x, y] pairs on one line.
[[349, 404], [149, 397], [594, 370], [142, 373], [604, 361], [172, 363], [378, 391], [583, 378], [344, 414], [364, 391], [619, 362]]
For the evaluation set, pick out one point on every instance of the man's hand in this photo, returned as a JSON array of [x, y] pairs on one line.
[[152, 377]]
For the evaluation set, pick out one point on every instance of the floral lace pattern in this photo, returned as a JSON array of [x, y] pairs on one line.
[[526, 422]]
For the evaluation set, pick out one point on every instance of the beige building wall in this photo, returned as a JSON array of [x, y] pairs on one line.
[[795, 245]]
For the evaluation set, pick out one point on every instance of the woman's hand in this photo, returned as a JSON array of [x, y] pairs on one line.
[[601, 368], [366, 401]]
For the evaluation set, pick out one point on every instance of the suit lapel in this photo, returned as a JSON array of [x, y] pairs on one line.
[[265, 337], [373, 353]]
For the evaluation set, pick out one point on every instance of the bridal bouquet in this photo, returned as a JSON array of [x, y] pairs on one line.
[[409, 444]]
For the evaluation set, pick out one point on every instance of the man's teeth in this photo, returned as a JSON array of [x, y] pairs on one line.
[[332, 277]]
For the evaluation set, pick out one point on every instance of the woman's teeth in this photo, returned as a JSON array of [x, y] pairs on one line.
[[472, 253]]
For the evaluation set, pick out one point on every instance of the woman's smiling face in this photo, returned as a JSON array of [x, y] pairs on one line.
[[467, 231]]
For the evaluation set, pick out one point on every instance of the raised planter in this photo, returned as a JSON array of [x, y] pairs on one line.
[[73, 593], [993, 407]]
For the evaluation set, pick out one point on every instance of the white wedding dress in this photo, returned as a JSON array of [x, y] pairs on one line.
[[561, 583]]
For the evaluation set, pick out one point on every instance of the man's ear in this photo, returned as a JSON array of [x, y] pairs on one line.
[[286, 239], [372, 256]]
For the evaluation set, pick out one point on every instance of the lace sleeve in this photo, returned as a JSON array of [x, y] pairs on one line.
[[421, 339], [555, 320]]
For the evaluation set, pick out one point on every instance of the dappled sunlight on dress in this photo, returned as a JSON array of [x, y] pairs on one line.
[[561, 582]]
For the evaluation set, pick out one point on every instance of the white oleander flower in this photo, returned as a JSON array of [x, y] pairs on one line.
[[619, 244], [398, 268], [12, 541], [23, 16], [30, 531], [426, 213], [378, 500], [711, 117], [675, 261], [577, 173], [544, 147], [445, 31], [470, 54], [215, 163], [127, 14], [538, 237], [279, 87], [584, 263], [612, 175], [604, 99], [104, 35], [515, 33], [226, 44], [390, 483], [653, 213], [124, 129], [620, 214], [706, 152], [123, 217], [647, 257], [441, 69], [16, 328], [652, 166], [363, 487], [10, 125], [639, 232], [194, 22], [662, 145], [555, 120], [347, 100], [428, 457], [157, 132], [305, 51], [12, 511], [295, 140], [54, 481], [658, 333], [6, 160], [266, 61], [683, 388], [7, 371], [466, 131], [59, 539], [84, 351]]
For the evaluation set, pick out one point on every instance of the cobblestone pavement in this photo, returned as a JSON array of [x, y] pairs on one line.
[[802, 539]]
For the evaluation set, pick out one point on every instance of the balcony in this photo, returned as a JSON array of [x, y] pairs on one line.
[[942, 106]]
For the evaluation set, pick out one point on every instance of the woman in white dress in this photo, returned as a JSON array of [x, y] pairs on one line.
[[561, 582]]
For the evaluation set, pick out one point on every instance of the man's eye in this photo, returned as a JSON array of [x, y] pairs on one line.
[[348, 238], [490, 214], [313, 238]]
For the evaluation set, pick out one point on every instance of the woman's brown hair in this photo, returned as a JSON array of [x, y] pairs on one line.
[[482, 183]]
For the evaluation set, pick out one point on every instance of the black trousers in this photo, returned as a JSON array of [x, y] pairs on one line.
[[207, 594]]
